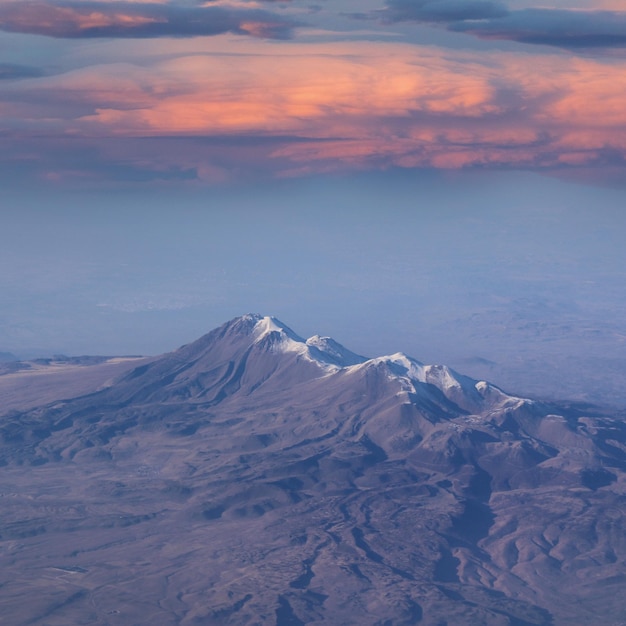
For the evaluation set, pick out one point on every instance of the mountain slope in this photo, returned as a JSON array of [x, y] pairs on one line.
[[253, 477]]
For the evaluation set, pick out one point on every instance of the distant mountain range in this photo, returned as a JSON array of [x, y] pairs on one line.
[[254, 477]]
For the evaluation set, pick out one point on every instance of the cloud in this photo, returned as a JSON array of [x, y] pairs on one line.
[[292, 109], [138, 20], [565, 29], [443, 10], [487, 19], [9, 71]]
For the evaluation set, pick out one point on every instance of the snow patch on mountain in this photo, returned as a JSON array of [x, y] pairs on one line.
[[326, 353], [334, 351], [412, 375], [497, 397], [415, 378], [279, 337]]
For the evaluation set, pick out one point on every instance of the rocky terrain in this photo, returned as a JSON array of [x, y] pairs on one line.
[[253, 477]]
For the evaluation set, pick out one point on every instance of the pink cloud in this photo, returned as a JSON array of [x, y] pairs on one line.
[[344, 106]]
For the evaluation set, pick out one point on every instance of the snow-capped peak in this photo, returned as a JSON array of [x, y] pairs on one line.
[[285, 339], [334, 351], [443, 377], [267, 325], [414, 377], [401, 365], [324, 351]]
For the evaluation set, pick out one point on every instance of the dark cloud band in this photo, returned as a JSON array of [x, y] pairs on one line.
[[567, 29], [8, 71], [489, 19], [137, 20], [443, 10]]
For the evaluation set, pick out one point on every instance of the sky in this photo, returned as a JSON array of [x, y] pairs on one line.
[[102, 91], [442, 177]]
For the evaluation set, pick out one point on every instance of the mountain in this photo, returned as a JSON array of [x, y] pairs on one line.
[[255, 477]]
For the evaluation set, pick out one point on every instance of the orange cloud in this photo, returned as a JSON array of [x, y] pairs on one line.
[[355, 105], [319, 94]]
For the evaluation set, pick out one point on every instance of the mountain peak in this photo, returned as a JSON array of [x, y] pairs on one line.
[[334, 352], [272, 336], [269, 325], [246, 352], [270, 333]]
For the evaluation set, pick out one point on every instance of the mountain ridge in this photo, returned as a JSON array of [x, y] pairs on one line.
[[270, 335], [298, 482]]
